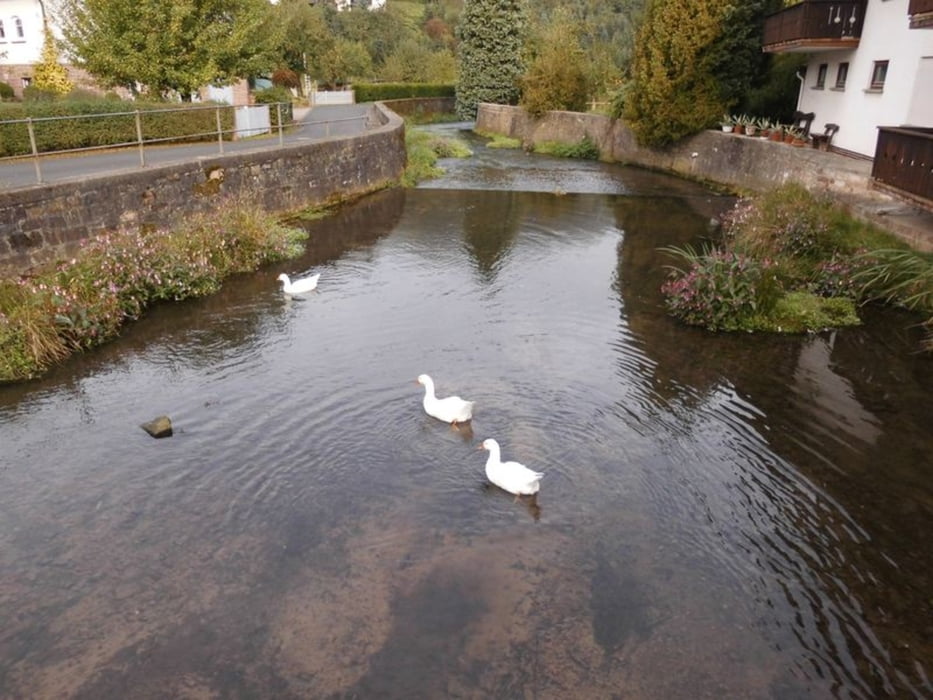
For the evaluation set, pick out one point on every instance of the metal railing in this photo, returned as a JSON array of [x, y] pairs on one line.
[[921, 13], [132, 134]]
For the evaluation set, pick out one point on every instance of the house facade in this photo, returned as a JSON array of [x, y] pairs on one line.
[[870, 65], [21, 37]]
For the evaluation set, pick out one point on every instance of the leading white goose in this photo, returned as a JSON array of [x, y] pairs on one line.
[[451, 410], [513, 477], [299, 286]]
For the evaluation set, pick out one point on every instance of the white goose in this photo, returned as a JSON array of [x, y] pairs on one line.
[[510, 476], [299, 286], [451, 410]]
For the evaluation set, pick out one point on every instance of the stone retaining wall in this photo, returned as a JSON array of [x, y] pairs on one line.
[[741, 163], [44, 222]]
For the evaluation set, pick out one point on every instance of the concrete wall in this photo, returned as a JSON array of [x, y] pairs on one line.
[[44, 222], [741, 163]]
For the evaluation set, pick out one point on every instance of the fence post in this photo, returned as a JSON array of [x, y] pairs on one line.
[[139, 140], [278, 111], [35, 151], [220, 133]]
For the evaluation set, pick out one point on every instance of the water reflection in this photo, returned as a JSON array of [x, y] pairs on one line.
[[722, 516]]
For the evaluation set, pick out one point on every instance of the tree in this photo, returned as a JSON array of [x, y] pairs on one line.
[[693, 61], [491, 35], [49, 75], [170, 46], [557, 76]]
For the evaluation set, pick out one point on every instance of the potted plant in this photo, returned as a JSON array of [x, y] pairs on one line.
[[750, 125], [764, 127], [727, 122], [777, 132]]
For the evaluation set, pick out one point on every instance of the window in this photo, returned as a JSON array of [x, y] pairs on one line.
[[878, 73], [821, 76], [2, 31], [841, 74], [18, 23]]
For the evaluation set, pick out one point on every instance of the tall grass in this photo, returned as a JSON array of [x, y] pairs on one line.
[[792, 262], [114, 277], [424, 149]]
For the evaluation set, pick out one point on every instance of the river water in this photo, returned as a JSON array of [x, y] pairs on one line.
[[722, 516]]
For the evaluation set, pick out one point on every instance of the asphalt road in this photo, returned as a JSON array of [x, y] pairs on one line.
[[322, 122]]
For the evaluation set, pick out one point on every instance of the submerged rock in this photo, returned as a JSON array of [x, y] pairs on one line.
[[159, 427]]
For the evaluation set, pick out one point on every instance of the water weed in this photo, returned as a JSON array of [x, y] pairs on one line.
[[83, 301]]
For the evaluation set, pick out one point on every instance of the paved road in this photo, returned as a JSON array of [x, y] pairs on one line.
[[314, 124]]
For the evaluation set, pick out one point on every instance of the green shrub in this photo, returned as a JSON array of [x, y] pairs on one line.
[[719, 290], [376, 92], [84, 301], [585, 149], [101, 122], [6, 91]]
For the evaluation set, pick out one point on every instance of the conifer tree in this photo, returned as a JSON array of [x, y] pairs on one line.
[[693, 60], [491, 34], [49, 74]]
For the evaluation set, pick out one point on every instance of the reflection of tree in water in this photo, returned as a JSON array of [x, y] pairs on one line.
[[846, 410], [490, 227], [202, 332]]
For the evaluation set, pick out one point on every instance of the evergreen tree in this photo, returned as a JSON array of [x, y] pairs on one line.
[[49, 74], [491, 34], [693, 61]]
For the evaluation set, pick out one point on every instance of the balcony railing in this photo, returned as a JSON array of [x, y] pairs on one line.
[[921, 14], [904, 161], [815, 24]]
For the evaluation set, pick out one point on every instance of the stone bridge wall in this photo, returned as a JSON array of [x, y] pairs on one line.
[[43, 222]]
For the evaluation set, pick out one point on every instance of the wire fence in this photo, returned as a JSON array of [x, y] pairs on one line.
[[194, 126]]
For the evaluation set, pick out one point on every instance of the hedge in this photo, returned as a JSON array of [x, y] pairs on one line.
[[155, 120], [373, 92]]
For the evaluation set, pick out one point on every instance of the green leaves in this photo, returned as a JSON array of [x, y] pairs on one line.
[[166, 46], [491, 34]]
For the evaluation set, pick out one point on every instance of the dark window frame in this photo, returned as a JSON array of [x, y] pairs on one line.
[[821, 73], [842, 75], [879, 73]]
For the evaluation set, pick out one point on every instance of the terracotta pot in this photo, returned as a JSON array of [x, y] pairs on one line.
[[776, 136]]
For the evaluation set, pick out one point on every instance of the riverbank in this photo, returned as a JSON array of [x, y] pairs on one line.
[[742, 164]]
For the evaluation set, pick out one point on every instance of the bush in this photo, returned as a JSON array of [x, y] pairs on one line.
[[719, 290], [84, 301], [424, 149], [103, 122], [376, 92], [585, 149], [6, 91]]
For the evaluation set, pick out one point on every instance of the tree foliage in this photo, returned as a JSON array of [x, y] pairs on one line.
[[693, 61], [491, 35], [170, 46], [50, 75], [558, 75]]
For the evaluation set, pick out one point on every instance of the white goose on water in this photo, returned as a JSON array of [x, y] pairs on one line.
[[298, 286], [451, 410], [513, 477]]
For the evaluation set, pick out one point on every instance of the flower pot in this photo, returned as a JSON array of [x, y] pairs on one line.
[[776, 136], [727, 128], [736, 129], [750, 130]]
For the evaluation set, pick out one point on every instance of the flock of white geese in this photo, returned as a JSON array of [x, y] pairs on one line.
[[513, 477]]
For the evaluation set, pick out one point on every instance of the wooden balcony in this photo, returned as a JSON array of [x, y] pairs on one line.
[[921, 14], [815, 25], [904, 162]]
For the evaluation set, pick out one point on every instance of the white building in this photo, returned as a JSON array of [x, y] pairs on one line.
[[867, 66], [21, 38], [870, 71]]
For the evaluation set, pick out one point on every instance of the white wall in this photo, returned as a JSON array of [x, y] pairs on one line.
[[25, 49], [858, 112]]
